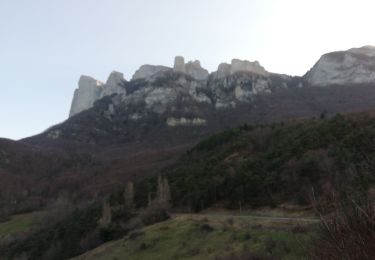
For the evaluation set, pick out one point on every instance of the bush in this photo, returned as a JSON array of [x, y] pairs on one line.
[[62, 239], [348, 233], [114, 231], [135, 234], [299, 229], [205, 228], [153, 214]]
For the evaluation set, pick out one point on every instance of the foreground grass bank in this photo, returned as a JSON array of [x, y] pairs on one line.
[[212, 237]]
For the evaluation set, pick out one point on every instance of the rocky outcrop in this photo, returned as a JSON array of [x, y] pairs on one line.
[[237, 65], [223, 70], [354, 66], [192, 68], [114, 85], [165, 89], [244, 65], [89, 90], [243, 87], [179, 64], [147, 71]]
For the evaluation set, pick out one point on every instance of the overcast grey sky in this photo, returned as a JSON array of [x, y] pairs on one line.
[[45, 45]]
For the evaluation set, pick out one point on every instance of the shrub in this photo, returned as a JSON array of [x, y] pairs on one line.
[[135, 234], [153, 214], [142, 246], [270, 245], [230, 221], [299, 229], [348, 233], [205, 228]]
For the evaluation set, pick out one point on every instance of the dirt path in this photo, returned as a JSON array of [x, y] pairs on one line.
[[272, 218]]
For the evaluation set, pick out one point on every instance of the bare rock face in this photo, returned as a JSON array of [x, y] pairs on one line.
[[147, 71], [187, 85], [241, 87], [179, 64], [367, 50], [88, 91], [354, 66], [114, 85], [225, 69], [194, 69], [244, 65]]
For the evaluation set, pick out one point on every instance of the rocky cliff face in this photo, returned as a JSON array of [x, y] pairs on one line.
[[147, 71], [231, 83], [180, 103], [186, 97], [354, 66], [90, 90]]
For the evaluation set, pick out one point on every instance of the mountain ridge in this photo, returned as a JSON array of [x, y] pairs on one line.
[[152, 121], [354, 66]]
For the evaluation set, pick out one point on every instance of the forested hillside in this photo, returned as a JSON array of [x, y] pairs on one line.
[[329, 158]]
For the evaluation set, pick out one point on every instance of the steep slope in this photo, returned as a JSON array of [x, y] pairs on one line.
[[172, 106], [33, 175], [275, 164]]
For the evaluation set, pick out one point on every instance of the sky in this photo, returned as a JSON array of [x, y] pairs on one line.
[[45, 45]]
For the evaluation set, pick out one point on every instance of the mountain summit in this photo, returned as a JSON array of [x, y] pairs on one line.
[[183, 103], [90, 90], [354, 66], [236, 82]]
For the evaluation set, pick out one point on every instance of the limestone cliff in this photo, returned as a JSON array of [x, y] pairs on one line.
[[114, 85], [225, 69], [161, 89], [147, 71], [89, 90], [354, 66]]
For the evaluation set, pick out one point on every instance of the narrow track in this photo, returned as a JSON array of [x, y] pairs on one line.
[[288, 219]]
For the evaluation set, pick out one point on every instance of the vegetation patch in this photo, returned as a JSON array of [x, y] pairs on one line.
[[194, 237], [269, 165], [17, 223]]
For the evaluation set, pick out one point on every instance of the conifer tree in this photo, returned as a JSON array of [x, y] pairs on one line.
[[106, 218], [129, 195], [163, 194]]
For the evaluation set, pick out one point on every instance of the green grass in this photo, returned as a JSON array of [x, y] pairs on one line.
[[183, 238], [17, 223]]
